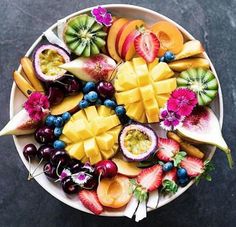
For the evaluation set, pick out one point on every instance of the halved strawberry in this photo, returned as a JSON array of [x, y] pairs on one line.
[[169, 181], [194, 166], [150, 178], [90, 200], [147, 45], [167, 149]]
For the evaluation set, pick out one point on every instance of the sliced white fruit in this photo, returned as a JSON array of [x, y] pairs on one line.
[[20, 124], [52, 38], [141, 211], [131, 207], [60, 28], [153, 199]]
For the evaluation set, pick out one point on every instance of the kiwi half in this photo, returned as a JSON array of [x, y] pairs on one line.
[[202, 82], [84, 36]]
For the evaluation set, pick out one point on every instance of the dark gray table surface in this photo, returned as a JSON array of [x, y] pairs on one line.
[[25, 203]]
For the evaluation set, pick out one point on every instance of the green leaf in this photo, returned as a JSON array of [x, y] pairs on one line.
[[179, 157], [208, 167], [169, 186]]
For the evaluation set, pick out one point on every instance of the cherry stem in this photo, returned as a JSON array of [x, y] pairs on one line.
[[31, 175], [99, 177], [58, 169], [29, 172]]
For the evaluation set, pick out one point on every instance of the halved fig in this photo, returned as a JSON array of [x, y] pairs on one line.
[[47, 59], [137, 142]]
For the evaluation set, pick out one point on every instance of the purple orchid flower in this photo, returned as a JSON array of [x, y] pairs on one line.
[[102, 16]]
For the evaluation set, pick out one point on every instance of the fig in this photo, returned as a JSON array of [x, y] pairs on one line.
[[47, 59], [137, 142]]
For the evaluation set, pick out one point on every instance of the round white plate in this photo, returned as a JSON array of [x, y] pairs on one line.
[[17, 99]]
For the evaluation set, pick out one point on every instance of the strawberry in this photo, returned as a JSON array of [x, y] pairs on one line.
[[168, 148], [194, 166], [169, 181], [147, 45], [90, 200], [150, 178]]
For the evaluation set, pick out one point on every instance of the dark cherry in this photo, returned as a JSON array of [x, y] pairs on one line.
[[50, 171], [44, 135], [91, 183], [69, 186], [59, 156], [55, 95], [45, 152], [106, 168], [74, 165], [29, 151], [71, 85], [105, 89]]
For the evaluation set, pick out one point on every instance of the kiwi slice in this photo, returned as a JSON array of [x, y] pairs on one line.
[[84, 36], [202, 82]]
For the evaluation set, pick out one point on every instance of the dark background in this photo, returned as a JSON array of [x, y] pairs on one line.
[[25, 203]]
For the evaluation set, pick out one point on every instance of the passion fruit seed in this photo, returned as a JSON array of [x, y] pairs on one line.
[[137, 142]]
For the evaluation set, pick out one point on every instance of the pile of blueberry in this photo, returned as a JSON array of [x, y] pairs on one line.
[[168, 57]]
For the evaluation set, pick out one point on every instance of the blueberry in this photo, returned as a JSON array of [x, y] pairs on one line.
[[86, 97], [83, 104], [167, 166], [98, 102], [89, 86], [120, 110], [66, 116], [92, 96], [183, 181], [59, 144], [50, 120], [110, 103], [57, 131], [181, 173], [169, 56], [162, 59], [58, 122]]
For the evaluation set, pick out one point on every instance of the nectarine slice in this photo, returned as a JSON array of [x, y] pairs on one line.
[[125, 31], [68, 104], [114, 192], [111, 39], [169, 36]]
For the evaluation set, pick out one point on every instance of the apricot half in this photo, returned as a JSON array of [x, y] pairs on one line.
[[114, 192], [169, 36]]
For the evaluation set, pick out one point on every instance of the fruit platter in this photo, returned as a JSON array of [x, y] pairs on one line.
[[116, 110]]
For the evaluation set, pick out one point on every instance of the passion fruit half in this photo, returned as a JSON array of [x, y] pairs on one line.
[[47, 59], [137, 142]]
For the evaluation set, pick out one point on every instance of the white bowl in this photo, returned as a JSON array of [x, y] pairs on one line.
[[17, 99]]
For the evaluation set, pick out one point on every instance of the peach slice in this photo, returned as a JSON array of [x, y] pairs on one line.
[[114, 192], [69, 103], [111, 39], [128, 49], [127, 168], [169, 36], [125, 31]]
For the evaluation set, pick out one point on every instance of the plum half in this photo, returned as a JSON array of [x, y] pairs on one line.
[[137, 142], [47, 59]]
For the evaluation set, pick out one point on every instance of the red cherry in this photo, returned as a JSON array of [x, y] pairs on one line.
[[106, 168], [105, 89]]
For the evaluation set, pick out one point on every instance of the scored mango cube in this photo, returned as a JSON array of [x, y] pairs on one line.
[[79, 115], [105, 141], [162, 99], [104, 111], [153, 64], [94, 159], [81, 127], [165, 86], [128, 96], [76, 150], [161, 71], [147, 92], [106, 154], [141, 70], [127, 82], [90, 147], [151, 107], [91, 112], [135, 110]]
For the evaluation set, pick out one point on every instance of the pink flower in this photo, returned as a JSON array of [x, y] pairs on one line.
[[37, 106], [182, 101], [170, 120], [102, 16]]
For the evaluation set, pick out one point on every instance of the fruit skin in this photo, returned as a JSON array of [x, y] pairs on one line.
[[169, 56], [84, 36], [83, 104], [69, 186], [167, 149], [169, 36], [106, 168], [150, 178], [114, 192], [29, 151], [111, 38], [183, 181], [45, 152], [71, 85], [55, 95], [50, 120], [24, 86], [59, 156], [182, 173], [202, 82], [167, 166], [66, 116], [193, 166], [90, 200], [69, 104], [110, 103], [58, 144], [96, 68], [92, 96], [50, 171], [36, 62], [120, 110], [202, 126], [147, 46], [148, 131], [58, 122], [44, 134], [89, 86], [20, 124], [105, 89]]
